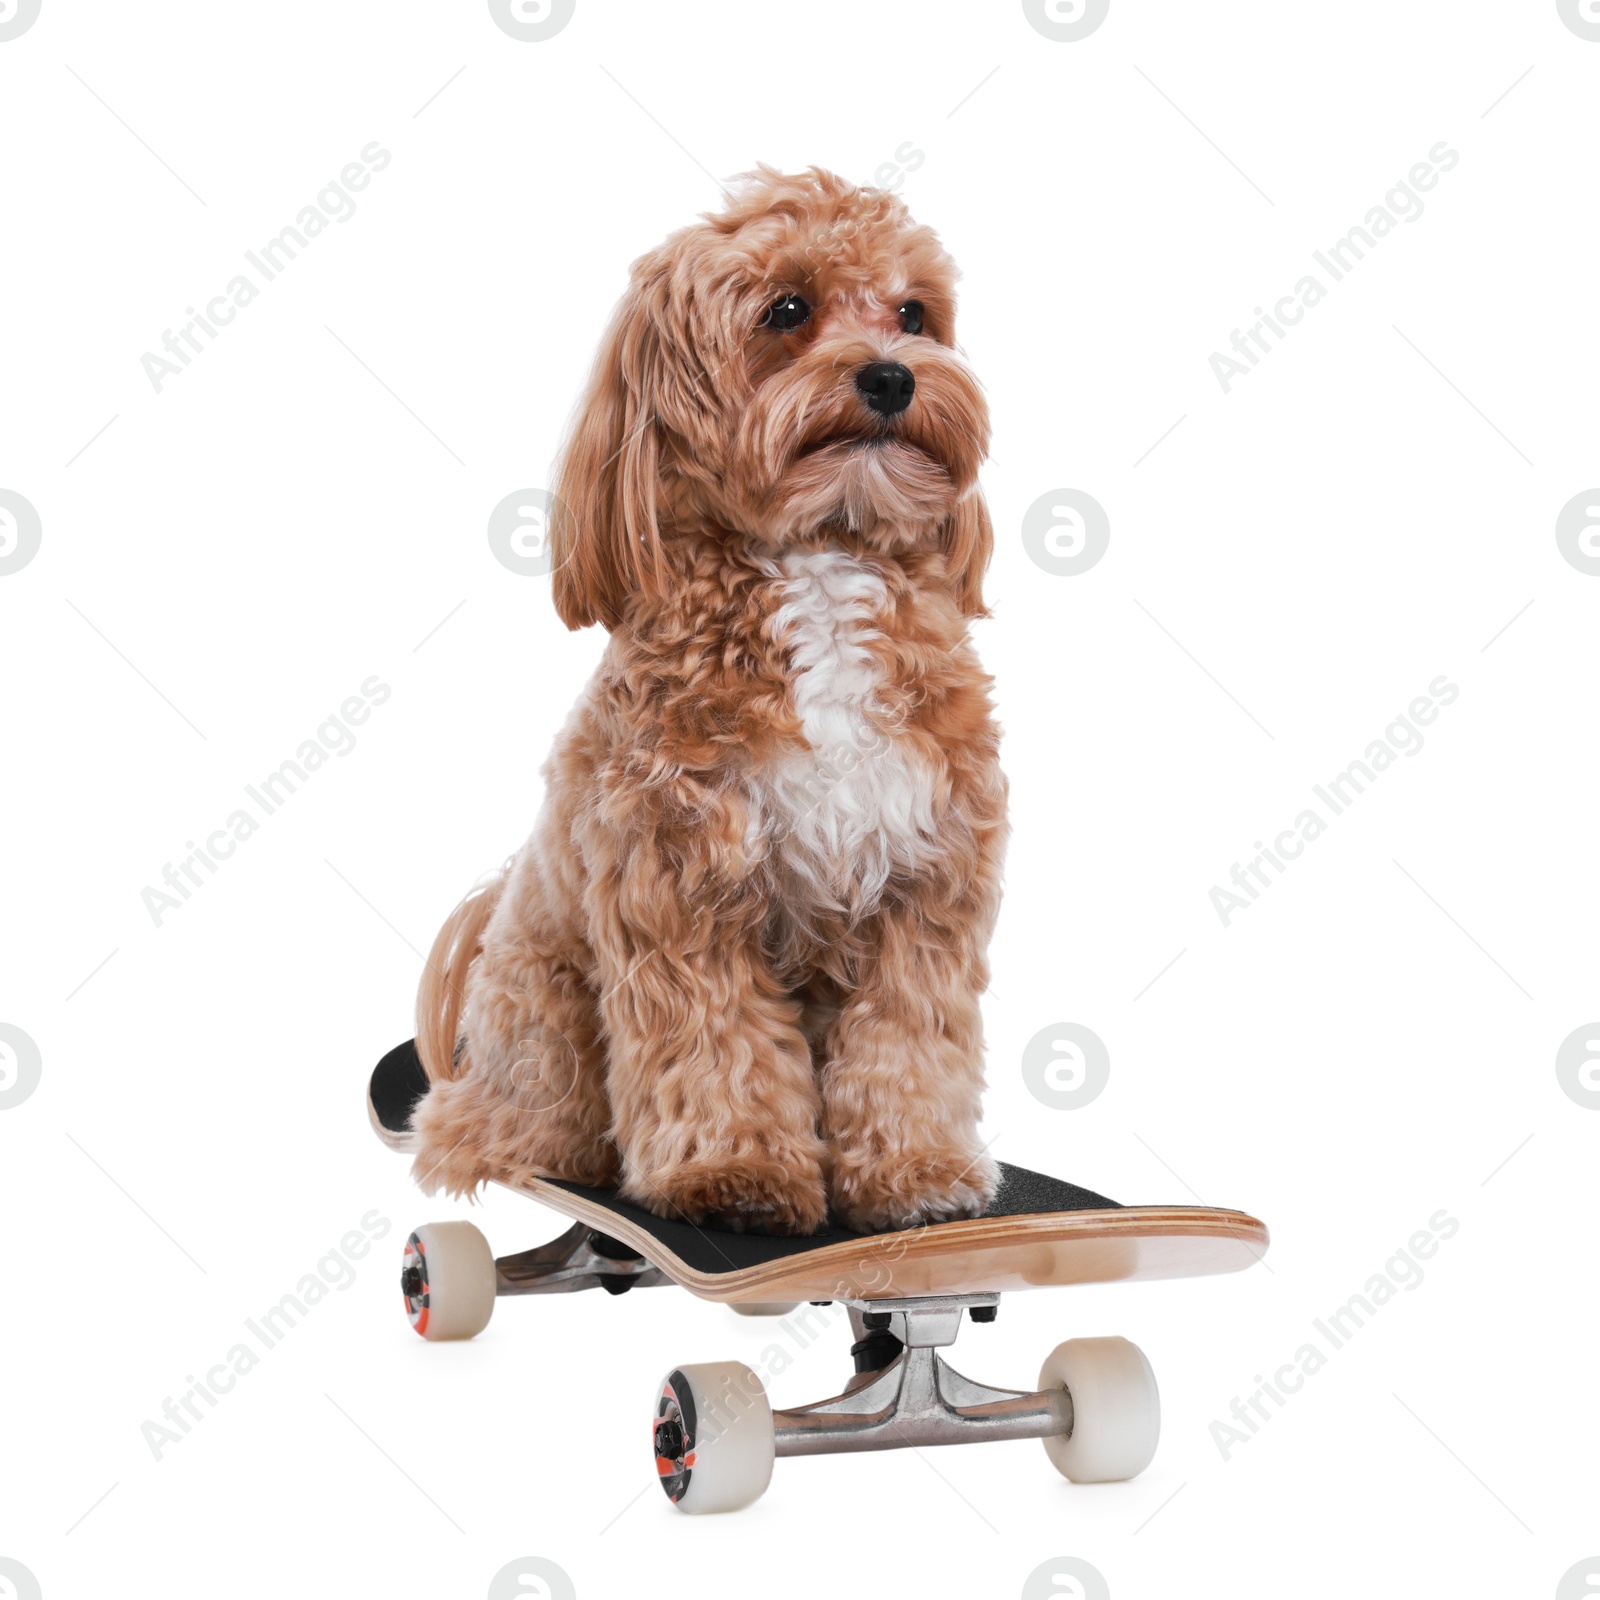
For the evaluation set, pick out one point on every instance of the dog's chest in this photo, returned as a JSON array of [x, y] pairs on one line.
[[855, 801]]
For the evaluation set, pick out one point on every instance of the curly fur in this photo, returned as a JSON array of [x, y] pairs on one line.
[[736, 969]]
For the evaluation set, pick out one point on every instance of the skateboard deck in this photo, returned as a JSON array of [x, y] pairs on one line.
[[1038, 1232]]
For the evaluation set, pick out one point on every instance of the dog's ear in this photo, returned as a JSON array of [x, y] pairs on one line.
[[968, 541], [604, 537]]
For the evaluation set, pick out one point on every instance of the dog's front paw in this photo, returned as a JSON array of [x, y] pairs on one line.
[[909, 1188], [745, 1193]]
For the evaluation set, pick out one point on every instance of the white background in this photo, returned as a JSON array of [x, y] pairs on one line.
[[1294, 562]]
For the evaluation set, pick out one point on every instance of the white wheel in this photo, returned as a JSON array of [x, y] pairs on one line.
[[448, 1280], [1116, 1410], [713, 1436], [762, 1308]]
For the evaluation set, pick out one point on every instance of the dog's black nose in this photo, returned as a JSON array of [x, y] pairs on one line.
[[886, 386]]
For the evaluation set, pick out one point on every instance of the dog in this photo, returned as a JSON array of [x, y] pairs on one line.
[[735, 972]]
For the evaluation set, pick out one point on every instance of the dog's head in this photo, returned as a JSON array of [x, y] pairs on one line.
[[783, 372]]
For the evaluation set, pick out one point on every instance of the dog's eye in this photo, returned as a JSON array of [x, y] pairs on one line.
[[911, 316], [787, 314]]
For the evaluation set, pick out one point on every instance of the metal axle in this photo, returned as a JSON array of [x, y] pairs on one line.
[[919, 1398]]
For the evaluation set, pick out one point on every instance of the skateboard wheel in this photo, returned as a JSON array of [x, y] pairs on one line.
[[762, 1308], [1116, 1410], [713, 1436], [448, 1280]]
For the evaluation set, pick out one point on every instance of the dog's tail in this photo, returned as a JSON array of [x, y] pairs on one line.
[[443, 988]]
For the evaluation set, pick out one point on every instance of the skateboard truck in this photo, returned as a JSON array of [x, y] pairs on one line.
[[716, 1437], [917, 1398], [581, 1258]]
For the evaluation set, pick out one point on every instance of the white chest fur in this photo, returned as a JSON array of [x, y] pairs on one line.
[[858, 802]]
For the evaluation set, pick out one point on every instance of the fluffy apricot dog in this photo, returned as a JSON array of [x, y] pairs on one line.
[[736, 968]]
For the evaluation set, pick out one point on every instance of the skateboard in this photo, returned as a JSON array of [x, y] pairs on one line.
[[714, 1432]]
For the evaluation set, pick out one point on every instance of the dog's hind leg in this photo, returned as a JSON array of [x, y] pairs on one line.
[[526, 1096]]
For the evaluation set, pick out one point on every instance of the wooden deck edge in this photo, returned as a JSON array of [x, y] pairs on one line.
[[851, 1266]]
